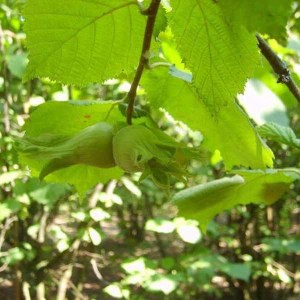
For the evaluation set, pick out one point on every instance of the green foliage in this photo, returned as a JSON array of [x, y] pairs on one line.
[[204, 201], [63, 124], [93, 40], [221, 55], [121, 238], [280, 134], [245, 147], [264, 16]]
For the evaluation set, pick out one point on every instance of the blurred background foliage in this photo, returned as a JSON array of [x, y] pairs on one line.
[[123, 240]]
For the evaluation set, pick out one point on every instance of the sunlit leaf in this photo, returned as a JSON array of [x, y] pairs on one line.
[[160, 225], [163, 283], [95, 236], [98, 214], [82, 42], [204, 201], [264, 16], [114, 290], [229, 131], [221, 55], [188, 230]]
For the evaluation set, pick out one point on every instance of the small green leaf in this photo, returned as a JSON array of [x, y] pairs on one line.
[[162, 283], [15, 255], [235, 270], [131, 187], [135, 266], [62, 245], [46, 194], [141, 266], [160, 225], [98, 214], [8, 207], [95, 236], [114, 290], [280, 134], [17, 64], [168, 263], [188, 230]]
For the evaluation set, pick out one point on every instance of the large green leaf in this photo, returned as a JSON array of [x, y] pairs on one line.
[[221, 55], [204, 201], [68, 118], [264, 16], [229, 130], [82, 41]]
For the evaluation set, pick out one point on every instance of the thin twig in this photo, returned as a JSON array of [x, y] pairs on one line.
[[75, 291], [63, 283], [283, 268], [279, 67], [26, 291], [97, 272], [5, 228], [151, 12], [4, 93], [3, 267]]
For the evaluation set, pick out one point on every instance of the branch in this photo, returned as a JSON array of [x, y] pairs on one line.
[[279, 67], [151, 12], [4, 93]]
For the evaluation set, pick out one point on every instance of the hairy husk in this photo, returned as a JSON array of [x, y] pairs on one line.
[[135, 145], [92, 146], [137, 148]]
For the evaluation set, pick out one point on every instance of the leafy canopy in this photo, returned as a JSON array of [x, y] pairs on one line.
[[211, 50]]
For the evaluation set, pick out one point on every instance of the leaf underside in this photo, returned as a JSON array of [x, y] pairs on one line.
[[81, 42], [229, 131], [221, 55], [204, 201], [263, 16]]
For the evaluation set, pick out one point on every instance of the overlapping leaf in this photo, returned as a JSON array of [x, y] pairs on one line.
[[68, 118], [264, 16], [220, 54], [82, 41], [204, 201], [229, 131], [280, 134]]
